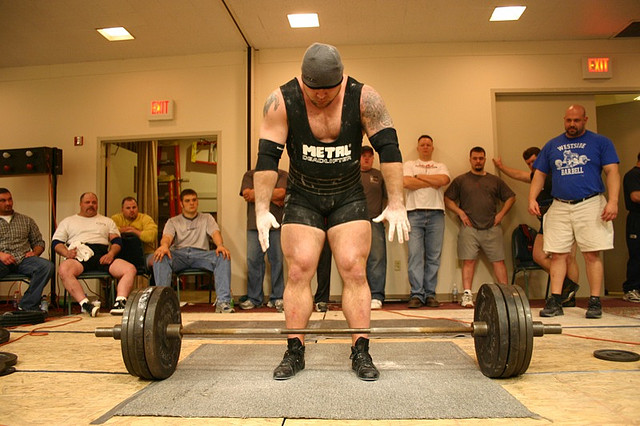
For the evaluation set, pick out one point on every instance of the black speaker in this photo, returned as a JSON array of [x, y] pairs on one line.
[[29, 161]]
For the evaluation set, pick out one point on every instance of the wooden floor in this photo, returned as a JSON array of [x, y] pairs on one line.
[[68, 376]]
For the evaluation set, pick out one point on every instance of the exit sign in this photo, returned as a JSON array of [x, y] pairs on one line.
[[161, 110], [596, 67]]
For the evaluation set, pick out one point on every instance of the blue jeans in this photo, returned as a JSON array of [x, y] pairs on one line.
[[39, 271], [425, 247], [377, 261], [190, 257], [256, 267]]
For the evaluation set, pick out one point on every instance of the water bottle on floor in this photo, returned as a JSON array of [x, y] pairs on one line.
[[16, 300], [44, 304], [454, 293]]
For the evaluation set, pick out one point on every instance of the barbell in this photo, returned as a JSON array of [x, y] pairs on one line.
[[151, 331]]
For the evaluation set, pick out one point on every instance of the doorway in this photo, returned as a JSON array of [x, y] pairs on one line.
[[531, 119], [156, 170]]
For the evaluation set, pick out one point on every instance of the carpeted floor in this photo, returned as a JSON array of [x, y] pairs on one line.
[[419, 380]]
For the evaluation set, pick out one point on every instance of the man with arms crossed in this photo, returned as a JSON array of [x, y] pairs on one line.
[[321, 116], [424, 181]]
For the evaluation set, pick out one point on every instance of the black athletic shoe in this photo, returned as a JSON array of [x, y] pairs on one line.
[[594, 310], [91, 309], [569, 290], [361, 361], [552, 308], [292, 362]]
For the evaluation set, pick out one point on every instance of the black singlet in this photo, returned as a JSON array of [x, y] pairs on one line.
[[323, 168]]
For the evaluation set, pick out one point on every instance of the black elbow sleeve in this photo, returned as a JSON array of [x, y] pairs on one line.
[[386, 143], [269, 154]]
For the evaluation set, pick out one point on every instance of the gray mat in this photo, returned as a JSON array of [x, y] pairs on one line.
[[422, 380]]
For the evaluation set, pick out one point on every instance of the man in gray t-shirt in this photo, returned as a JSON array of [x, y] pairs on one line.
[[481, 200], [185, 244]]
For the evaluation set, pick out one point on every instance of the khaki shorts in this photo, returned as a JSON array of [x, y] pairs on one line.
[[566, 223], [471, 240]]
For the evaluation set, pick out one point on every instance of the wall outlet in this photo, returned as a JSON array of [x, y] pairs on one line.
[[396, 265]]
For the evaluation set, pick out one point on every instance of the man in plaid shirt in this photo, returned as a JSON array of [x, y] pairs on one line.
[[21, 245]]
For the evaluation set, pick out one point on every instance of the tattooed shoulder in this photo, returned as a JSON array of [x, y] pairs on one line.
[[271, 100], [374, 113]]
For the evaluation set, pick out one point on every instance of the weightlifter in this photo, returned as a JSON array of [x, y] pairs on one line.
[[321, 117]]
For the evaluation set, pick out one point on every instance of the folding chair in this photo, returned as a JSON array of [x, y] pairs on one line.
[[522, 240]]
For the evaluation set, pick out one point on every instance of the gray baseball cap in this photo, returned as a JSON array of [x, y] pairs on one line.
[[321, 66]]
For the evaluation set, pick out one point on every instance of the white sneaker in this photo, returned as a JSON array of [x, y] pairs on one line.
[[632, 296], [247, 304], [376, 304], [224, 308], [467, 299]]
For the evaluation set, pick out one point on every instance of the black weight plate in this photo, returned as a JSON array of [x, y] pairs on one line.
[[162, 353], [137, 346], [8, 358], [6, 369], [514, 359], [527, 345], [4, 335], [126, 333], [492, 350], [616, 355]]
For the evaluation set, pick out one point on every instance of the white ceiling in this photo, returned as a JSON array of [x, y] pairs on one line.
[[42, 32]]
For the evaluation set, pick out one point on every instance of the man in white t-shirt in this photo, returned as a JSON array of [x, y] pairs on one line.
[[90, 241], [424, 180]]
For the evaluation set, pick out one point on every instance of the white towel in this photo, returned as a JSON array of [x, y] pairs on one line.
[[83, 252]]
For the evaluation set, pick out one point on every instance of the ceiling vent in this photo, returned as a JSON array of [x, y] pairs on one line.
[[632, 30]]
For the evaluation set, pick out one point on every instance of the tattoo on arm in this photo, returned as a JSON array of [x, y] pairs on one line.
[[374, 113], [271, 100]]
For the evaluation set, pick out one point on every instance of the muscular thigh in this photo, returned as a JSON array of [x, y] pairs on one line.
[[350, 243], [301, 245]]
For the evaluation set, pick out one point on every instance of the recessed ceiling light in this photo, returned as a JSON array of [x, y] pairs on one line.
[[508, 13], [303, 20], [115, 33]]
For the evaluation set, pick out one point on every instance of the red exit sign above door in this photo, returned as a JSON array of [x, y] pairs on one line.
[[161, 110], [596, 67]]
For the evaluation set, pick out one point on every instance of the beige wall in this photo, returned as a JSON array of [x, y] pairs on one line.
[[445, 90]]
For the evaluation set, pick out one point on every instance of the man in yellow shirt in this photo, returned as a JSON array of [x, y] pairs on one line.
[[131, 221]]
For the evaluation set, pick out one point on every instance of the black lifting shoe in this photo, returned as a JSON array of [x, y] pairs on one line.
[[569, 290], [361, 361], [594, 309], [292, 362], [552, 308]]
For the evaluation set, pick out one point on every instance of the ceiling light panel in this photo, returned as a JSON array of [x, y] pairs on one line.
[[115, 33], [303, 20], [507, 13]]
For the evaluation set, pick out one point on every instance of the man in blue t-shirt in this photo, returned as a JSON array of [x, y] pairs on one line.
[[579, 212]]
